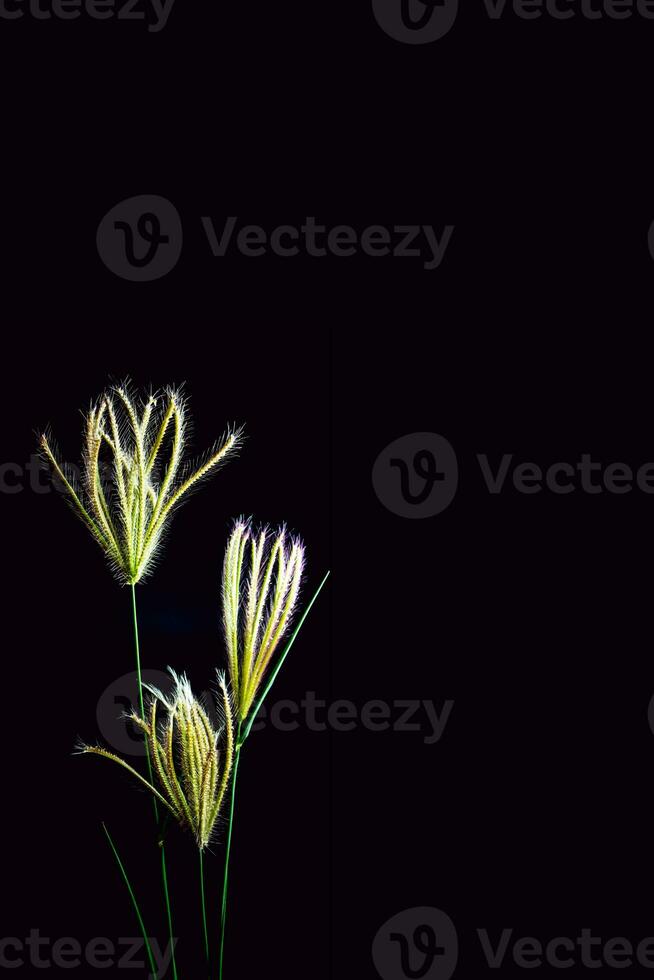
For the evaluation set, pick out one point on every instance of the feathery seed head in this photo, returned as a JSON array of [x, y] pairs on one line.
[[192, 759], [133, 473], [262, 573]]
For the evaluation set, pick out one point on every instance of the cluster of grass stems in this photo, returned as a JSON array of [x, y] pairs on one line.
[[133, 478]]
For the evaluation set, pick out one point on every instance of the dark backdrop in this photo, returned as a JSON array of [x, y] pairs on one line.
[[530, 612]]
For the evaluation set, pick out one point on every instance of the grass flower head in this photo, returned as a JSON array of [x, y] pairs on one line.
[[192, 759], [262, 572], [134, 473]]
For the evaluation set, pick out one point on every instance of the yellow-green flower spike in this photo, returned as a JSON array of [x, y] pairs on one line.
[[133, 474], [262, 572], [192, 760]]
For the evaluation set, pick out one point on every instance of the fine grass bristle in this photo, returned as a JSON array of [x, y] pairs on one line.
[[192, 760], [262, 573], [134, 473]]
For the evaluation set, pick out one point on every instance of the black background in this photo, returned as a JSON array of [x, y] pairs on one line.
[[531, 612]]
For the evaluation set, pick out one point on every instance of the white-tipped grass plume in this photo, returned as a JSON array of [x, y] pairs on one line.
[[191, 758], [134, 474], [262, 573]]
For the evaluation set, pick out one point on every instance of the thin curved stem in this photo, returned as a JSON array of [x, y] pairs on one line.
[[204, 906], [242, 733], [120, 864], [255, 710], [140, 687], [164, 871], [232, 799], [164, 877]]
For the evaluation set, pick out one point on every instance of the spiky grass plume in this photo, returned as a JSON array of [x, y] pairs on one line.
[[192, 760], [262, 572], [134, 474]]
